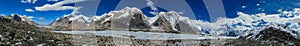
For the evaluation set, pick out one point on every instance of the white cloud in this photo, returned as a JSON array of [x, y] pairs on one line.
[[30, 17], [53, 0], [41, 18], [29, 10], [151, 4], [75, 10], [58, 5], [34, 1], [28, 1], [252, 20], [48, 7], [2, 15], [154, 13], [257, 4], [244, 6], [25, 1], [180, 12]]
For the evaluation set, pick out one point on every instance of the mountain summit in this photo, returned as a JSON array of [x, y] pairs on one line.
[[15, 18]]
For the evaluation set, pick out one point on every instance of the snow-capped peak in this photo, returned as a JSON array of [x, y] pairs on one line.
[[134, 18], [80, 17], [18, 19], [280, 27], [125, 12], [240, 25], [17, 16]]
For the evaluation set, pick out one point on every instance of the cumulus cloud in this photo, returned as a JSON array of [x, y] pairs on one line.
[[29, 10], [58, 5]]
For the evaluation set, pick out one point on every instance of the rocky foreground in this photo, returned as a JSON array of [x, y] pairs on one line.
[[22, 34], [28, 35]]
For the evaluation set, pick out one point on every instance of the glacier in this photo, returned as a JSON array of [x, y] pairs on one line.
[[147, 35]]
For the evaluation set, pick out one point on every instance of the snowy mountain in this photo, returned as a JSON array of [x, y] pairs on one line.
[[274, 34], [134, 19], [15, 18], [79, 22], [131, 19], [277, 28]]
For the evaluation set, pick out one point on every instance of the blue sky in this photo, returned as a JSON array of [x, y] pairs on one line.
[[8, 7]]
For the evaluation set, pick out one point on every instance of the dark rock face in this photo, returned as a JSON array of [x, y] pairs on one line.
[[61, 21], [275, 34], [102, 23], [107, 24], [3, 19], [17, 18], [138, 22], [266, 37], [163, 23], [177, 26]]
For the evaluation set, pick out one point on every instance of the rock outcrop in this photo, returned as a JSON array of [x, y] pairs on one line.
[[274, 35]]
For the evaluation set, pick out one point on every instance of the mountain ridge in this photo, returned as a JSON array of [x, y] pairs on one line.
[[134, 19], [16, 18]]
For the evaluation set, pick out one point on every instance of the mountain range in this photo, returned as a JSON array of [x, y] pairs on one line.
[[128, 19], [133, 19]]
